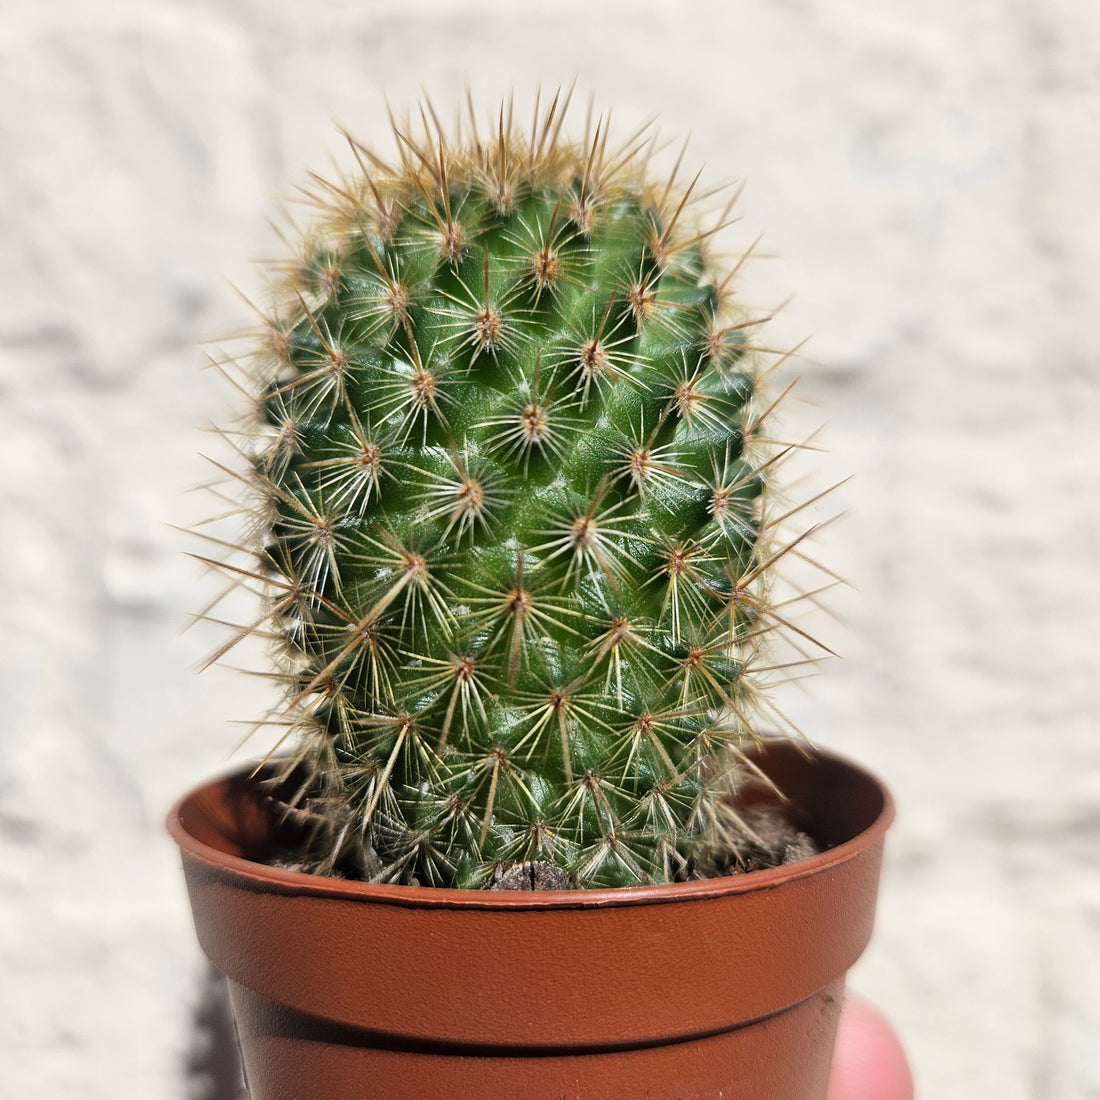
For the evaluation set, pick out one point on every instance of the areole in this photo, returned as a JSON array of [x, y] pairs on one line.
[[723, 987]]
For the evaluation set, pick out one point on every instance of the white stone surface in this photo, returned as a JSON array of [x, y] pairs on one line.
[[929, 173]]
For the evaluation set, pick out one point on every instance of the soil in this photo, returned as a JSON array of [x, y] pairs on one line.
[[776, 841]]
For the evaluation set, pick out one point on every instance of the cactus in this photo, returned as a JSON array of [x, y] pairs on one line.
[[509, 487]]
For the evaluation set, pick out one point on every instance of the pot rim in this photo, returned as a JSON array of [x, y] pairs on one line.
[[298, 883]]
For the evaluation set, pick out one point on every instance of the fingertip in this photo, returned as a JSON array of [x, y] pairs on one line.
[[868, 1062]]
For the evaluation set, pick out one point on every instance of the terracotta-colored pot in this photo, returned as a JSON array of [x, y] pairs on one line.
[[728, 987]]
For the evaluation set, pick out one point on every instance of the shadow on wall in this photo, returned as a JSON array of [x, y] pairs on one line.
[[213, 1066]]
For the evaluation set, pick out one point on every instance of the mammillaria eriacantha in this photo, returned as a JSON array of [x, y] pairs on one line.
[[508, 483]]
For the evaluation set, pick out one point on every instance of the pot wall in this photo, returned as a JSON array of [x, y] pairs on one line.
[[290, 1057]]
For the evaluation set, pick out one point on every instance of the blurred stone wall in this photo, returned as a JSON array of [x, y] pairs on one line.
[[926, 175]]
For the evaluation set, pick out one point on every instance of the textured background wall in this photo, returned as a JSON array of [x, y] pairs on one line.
[[929, 174]]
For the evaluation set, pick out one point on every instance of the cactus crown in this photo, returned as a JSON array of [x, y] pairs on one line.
[[506, 453]]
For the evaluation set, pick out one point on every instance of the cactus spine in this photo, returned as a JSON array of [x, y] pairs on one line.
[[510, 522]]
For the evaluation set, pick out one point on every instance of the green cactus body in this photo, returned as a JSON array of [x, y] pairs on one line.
[[511, 528]]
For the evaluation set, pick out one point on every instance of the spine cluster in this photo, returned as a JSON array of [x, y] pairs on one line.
[[510, 480]]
